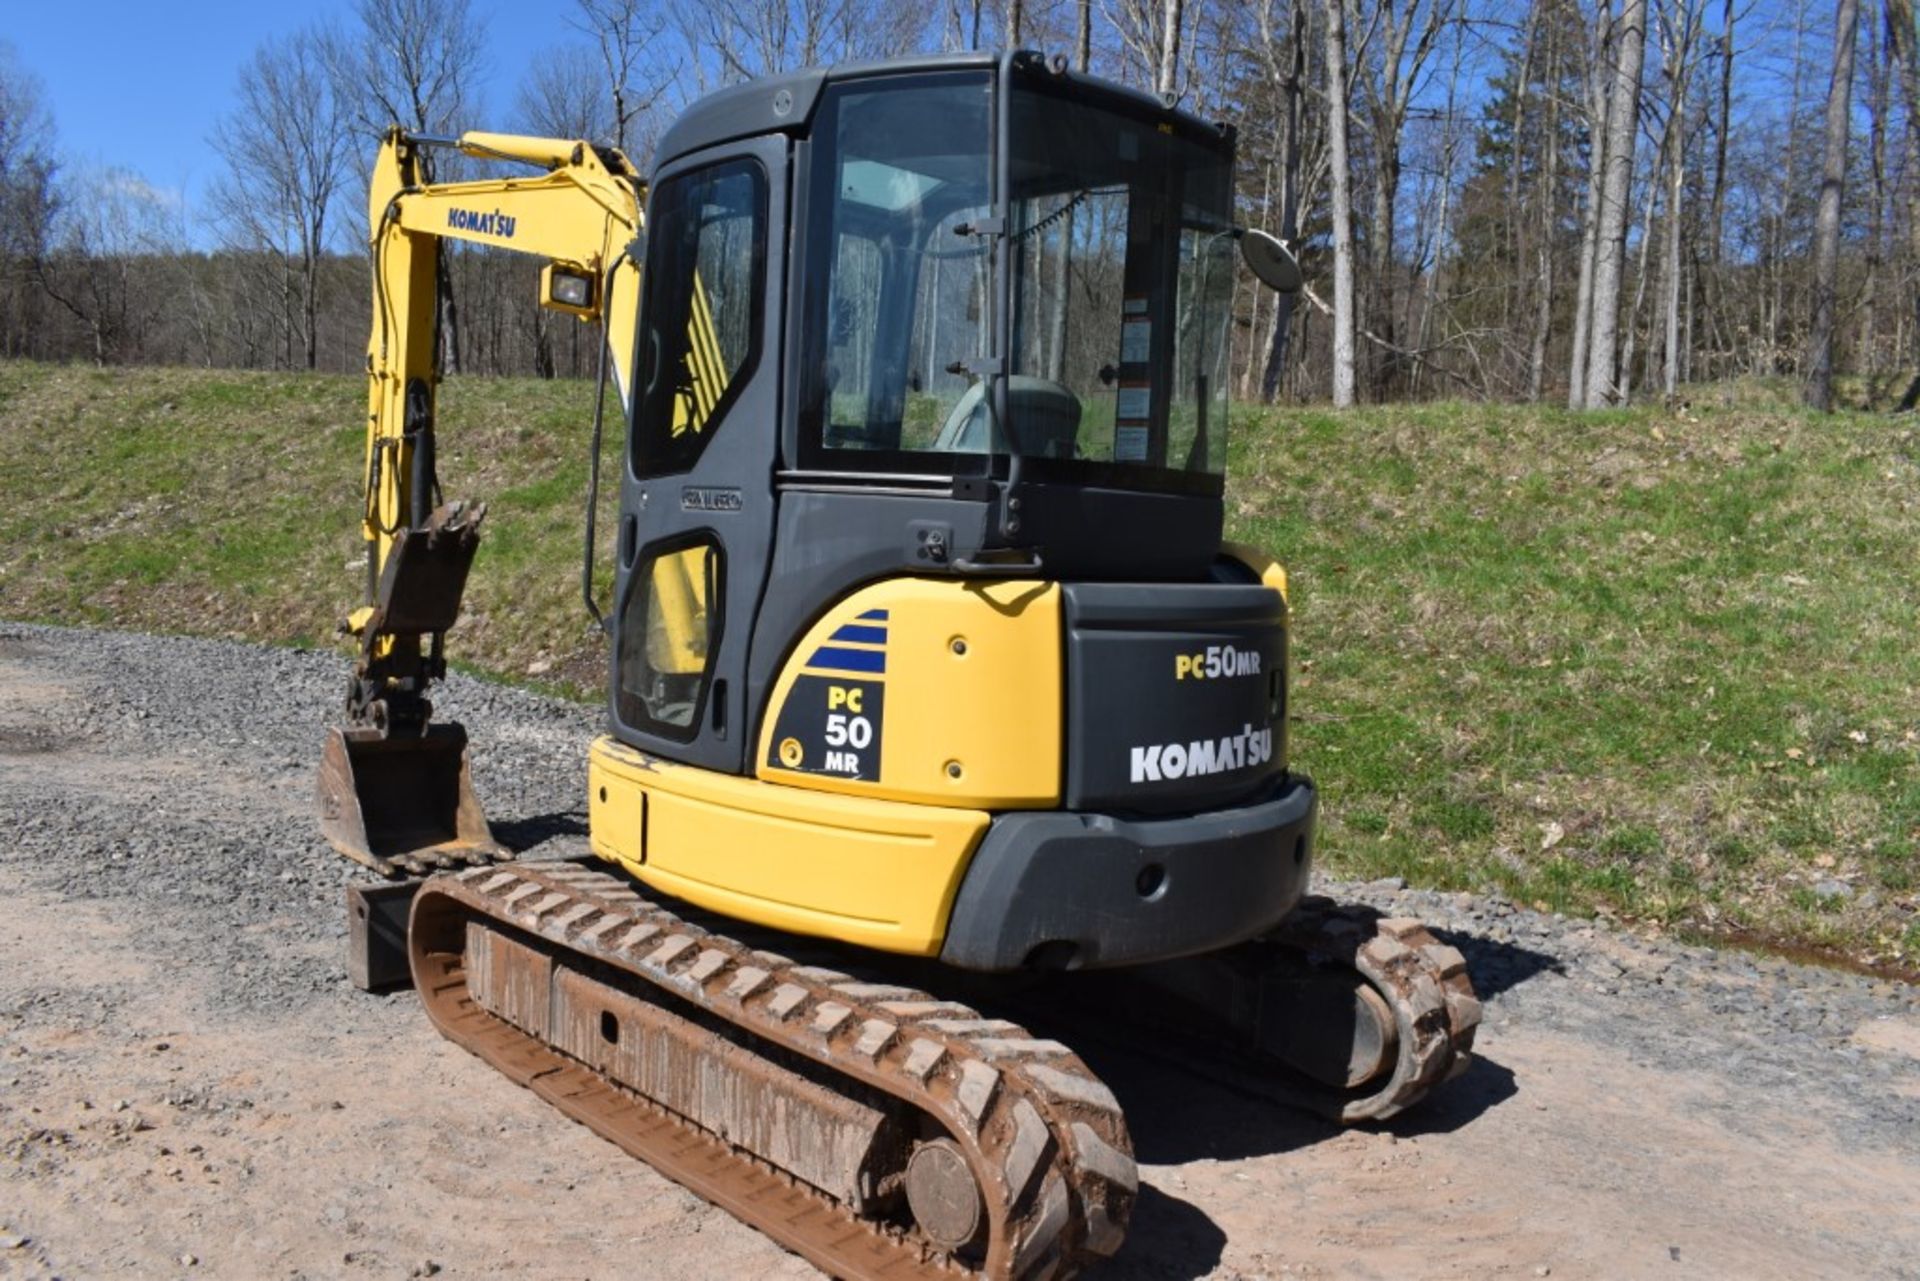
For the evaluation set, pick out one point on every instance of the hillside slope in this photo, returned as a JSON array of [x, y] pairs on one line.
[[1655, 663]]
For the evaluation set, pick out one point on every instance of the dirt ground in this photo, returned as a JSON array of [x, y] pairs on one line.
[[157, 1120]]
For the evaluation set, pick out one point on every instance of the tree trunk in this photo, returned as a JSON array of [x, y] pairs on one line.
[[1878, 93], [1718, 218], [1547, 199], [1902, 36], [1342, 179], [1679, 58], [1598, 112], [1283, 305], [1610, 233], [1386, 182], [1630, 328], [1826, 226], [1168, 78], [1670, 370]]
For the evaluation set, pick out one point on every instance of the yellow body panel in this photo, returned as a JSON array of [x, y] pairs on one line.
[[1271, 571], [969, 682], [876, 873]]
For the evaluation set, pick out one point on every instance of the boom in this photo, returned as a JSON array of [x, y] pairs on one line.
[[583, 215]]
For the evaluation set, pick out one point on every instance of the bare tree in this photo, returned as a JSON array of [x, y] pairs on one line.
[[1679, 26], [1547, 205], [1152, 33], [288, 149], [1406, 37], [116, 221], [1285, 63], [1905, 42], [1610, 229], [1826, 232], [414, 63], [561, 96], [624, 31], [1338, 102], [28, 203], [1599, 131], [1879, 100], [727, 41]]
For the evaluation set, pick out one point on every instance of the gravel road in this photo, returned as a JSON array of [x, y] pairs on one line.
[[188, 1085]]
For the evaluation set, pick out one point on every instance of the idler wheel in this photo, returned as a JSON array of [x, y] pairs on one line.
[[943, 1196]]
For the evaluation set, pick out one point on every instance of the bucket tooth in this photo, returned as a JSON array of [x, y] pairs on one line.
[[403, 803]]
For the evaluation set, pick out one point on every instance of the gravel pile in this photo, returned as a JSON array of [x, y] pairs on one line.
[[179, 773]]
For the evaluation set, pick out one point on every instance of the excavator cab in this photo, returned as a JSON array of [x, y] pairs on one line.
[[926, 455]]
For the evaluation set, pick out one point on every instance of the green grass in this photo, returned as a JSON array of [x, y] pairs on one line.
[[1656, 663], [227, 503]]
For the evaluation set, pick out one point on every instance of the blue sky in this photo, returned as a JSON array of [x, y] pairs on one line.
[[143, 85]]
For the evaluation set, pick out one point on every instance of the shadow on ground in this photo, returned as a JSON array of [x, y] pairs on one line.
[[1497, 967], [1167, 1237], [526, 835]]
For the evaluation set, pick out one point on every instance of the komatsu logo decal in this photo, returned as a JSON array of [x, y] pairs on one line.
[[487, 224], [1216, 661], [1202, 756]]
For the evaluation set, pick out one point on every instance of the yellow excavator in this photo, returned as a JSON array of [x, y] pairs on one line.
[[930, 671]]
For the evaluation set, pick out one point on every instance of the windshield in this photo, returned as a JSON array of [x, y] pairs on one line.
[[1117, 251]]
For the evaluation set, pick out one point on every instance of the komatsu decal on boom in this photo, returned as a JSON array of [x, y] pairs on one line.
[[928, 661]]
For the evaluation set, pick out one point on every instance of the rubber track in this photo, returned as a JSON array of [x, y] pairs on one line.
[[1424, 980], [1044, 1137]]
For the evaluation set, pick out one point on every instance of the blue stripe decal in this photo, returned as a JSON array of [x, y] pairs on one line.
[[855, 634], [834, 658], [875, 615]]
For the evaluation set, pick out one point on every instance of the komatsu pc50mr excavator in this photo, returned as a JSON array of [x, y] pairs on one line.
[[925, 649]]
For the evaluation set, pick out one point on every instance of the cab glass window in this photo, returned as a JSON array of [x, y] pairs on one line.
[[898, 288], [701, 321], [669, 635]]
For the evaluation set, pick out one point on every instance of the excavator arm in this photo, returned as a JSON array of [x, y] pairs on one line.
[[394, 787]]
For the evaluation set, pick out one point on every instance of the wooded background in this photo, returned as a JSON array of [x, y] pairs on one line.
[[1579, 201]]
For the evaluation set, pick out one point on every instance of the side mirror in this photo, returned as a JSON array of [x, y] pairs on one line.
[[1272, 264]]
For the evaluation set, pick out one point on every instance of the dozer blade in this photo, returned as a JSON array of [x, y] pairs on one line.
[[403, 804]]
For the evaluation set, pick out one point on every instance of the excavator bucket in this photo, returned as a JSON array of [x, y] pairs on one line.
[[403, 804]]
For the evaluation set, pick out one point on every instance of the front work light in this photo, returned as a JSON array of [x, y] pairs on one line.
[[566, 287]]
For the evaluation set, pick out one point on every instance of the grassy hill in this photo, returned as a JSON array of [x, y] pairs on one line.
[[1660, 664]]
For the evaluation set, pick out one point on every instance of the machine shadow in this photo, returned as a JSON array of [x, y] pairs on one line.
[[522, 835], [1226, 1107], [1178, 1114], [1497, 967], [1167, 1237]]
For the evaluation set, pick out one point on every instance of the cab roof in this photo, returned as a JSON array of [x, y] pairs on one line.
[[785, 103]]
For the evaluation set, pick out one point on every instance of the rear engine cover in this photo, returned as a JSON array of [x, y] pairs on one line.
[[1176, 694]]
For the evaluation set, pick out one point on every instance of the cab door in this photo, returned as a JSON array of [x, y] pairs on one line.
[[697, 498]]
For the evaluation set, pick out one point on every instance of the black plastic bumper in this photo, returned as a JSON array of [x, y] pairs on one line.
[[1085, 891]]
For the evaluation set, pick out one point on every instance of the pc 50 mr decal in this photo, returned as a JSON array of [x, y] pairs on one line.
[[835, 712], [1215, 662]]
